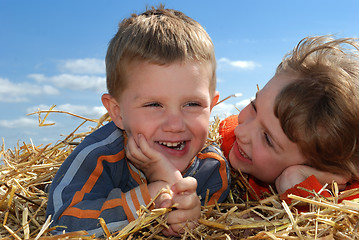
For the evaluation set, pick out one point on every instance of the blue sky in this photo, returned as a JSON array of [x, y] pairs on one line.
[[52, 52]]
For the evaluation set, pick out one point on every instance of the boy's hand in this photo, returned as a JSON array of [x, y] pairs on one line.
[[188, 207], [152, 163], [160, 171], [164, 200], [298, 173]]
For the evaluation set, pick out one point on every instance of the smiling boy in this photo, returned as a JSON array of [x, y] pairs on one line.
[[259, 134], [304, 122], [161, 80], [169, 105]]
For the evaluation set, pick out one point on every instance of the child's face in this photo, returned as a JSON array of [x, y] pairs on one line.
[[170, 105], [261, 148]]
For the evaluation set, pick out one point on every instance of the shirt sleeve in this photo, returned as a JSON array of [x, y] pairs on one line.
[[226, 131], [91, 185], [304, 189], [211, 171]]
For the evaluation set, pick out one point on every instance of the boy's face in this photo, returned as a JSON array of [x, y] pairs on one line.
[[261, 148], [170, 105]]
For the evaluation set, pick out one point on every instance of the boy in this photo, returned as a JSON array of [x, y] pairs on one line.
[[305, 121], [161, 80]]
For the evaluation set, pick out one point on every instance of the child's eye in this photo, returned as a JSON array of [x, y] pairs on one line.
[[253, 104], [192, 104], [268, 140], [152, 104]]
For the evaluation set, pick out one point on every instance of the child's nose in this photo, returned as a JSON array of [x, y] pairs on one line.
[[174, 122], [243, 132]]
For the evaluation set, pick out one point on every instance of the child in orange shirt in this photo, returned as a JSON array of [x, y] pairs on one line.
[[305, 121]]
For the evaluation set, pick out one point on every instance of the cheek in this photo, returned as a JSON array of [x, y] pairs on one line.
[[232, 160], [201, 134], [264, 161], [134, 126], [268, 166], [198, 124], [238, 131]]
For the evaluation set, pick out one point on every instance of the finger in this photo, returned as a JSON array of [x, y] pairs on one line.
[[164, 200], [147, 150], [327, 177], [134, 151], [170, 232], [131, 146], [188, 201], [185, 185], [282, 182], [142, 143], [188, 207]]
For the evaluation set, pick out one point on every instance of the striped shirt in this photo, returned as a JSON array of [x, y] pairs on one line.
[[97, 181]]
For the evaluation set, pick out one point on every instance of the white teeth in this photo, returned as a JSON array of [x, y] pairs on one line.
[[170, 144], [176, 145], [243, 154]]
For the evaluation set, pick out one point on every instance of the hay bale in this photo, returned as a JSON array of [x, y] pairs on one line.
[[27, 171]]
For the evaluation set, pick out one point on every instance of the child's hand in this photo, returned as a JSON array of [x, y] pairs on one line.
[[164, 200], [152, 163], [298, 173], [188, 207]]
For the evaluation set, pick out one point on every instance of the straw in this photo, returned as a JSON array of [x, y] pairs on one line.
[[27, 170]]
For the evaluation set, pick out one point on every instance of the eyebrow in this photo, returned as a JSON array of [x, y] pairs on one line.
[[274, 139]]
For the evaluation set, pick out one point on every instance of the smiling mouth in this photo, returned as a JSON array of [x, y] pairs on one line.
[[174, 145], [243, 153]]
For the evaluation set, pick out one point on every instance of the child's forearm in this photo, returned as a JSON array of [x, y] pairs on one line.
[[296, 174]]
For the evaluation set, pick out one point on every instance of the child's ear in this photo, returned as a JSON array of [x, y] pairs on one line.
[[214, 99], [113, 109]]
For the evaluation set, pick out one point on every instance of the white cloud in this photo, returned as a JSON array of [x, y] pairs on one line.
[[220, 80], [240, 105], [77, 82], [226, 64], [74, 82], [40, 78], [83, 66], [86, 111], [93, 112], [19, 92], [50, 90], [80, 74], [23, 122], [224, 109]]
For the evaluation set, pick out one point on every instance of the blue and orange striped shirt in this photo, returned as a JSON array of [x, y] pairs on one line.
[[97, 181]]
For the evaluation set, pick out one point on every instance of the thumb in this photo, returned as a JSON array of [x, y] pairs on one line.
[[164, 200]]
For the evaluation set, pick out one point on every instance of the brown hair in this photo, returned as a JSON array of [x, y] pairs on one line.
[[160, 36], [320, 109]]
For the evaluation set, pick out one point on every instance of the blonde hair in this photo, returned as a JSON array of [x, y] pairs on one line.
[[160, 36], [320, 109]]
